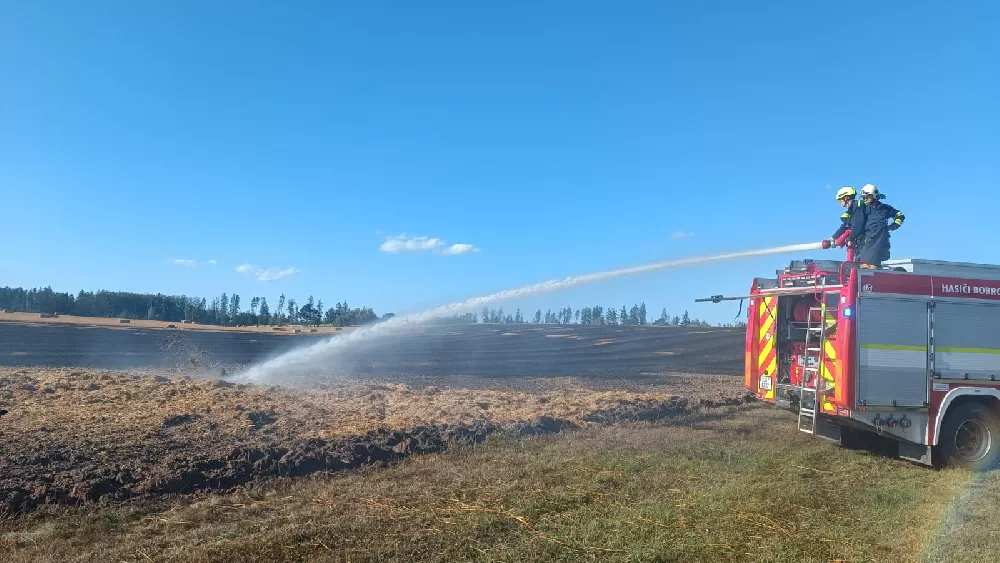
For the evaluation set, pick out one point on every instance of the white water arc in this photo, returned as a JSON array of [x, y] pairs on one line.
[[322, 356]]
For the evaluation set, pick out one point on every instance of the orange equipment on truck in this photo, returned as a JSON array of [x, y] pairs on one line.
[[910, 352]]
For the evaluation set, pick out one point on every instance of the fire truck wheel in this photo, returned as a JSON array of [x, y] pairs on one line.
[[970, 437]]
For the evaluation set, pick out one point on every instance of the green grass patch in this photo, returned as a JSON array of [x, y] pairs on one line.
[[739, 487]]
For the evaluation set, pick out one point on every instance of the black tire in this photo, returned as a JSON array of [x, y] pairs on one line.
[[970, 437]]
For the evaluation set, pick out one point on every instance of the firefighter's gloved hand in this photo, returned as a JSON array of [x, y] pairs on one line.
[[893, 226]]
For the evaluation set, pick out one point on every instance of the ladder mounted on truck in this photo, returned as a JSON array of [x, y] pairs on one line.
[[813, 386]]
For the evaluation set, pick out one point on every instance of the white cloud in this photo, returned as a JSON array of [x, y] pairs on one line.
[[187, 263], [681, 234], [266, 275], [460, 248], [403, 243]]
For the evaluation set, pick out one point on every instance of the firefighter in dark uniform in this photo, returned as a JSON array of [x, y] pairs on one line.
[[870, 227], [847, 196]]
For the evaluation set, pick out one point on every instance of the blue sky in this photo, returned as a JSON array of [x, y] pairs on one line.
[[556, 138]]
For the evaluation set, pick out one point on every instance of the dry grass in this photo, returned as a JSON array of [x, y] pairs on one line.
[[113, 405], [736, 487], [85, 436], [968, 530], [33, 318], [727, 485]]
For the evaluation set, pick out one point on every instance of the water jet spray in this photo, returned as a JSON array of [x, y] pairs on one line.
[[322, 355]]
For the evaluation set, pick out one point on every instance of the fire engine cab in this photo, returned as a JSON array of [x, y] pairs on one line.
[[909, 351]]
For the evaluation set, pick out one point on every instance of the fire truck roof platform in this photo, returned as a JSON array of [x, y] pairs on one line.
[[947, 269], [916, 266]]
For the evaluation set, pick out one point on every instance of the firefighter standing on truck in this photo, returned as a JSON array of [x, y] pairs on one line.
[[847, 196], [870, 226]]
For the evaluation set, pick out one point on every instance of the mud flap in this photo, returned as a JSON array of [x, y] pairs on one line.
[[917, 453]]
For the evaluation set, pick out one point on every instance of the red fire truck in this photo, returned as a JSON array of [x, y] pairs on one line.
[[909, 351]]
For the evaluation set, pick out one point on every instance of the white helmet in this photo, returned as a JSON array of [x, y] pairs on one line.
[[869, 189]]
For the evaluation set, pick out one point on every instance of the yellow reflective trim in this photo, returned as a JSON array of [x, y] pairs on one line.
[[968, 350], [764, 352], [765, 325], [952, 349], [830, 352], [827, 405], [772, 370], [766, 317], [872, 346], [828, 374]]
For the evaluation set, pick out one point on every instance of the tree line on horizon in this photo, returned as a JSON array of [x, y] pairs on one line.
[[226, 310], [595, 315]]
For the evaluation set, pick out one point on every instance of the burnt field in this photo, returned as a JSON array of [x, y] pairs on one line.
[[449, 350], [98, 416]]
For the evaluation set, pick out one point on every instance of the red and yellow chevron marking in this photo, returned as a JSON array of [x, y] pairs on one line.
[[829, 367], [829, 371], [767, 358], [828, 364]]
